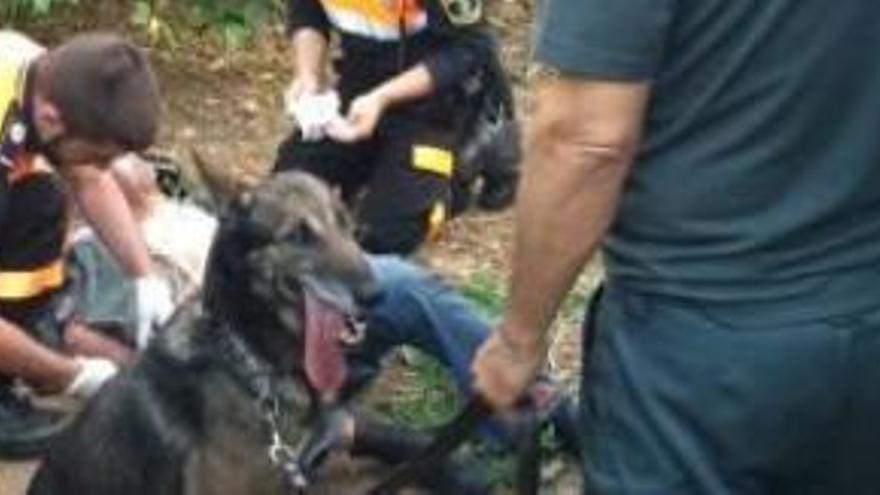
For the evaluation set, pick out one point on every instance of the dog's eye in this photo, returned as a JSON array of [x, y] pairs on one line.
[[303, 234]]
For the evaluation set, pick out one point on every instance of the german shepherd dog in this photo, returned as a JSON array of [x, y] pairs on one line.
[[252, 361]]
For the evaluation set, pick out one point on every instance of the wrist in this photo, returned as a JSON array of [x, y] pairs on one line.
[[382, 98], [311, 83], [522, 339], [68, 372]]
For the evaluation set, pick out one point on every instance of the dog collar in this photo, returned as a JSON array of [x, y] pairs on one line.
[[261, 382]]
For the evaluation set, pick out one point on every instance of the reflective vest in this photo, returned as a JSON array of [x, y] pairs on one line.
[[16, 54], [381, 20]]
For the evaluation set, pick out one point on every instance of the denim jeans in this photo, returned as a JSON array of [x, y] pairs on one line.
[[418, 309]]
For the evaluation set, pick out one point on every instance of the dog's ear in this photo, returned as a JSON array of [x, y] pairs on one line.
[[223, 188], [239, 218]]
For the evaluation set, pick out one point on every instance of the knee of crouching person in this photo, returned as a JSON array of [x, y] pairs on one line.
[[399, 236]]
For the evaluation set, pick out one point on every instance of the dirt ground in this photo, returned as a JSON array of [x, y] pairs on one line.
[[226, 105]]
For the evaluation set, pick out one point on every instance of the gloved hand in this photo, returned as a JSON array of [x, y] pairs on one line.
[[154, 306], [94, 372], [313, 112]]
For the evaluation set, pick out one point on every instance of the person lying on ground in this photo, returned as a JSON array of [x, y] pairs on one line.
[[415, 307]]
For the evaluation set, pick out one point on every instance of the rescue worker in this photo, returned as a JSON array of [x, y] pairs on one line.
[[65, 113], [401, 86]]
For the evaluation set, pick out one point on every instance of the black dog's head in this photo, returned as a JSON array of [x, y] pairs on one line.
[[286, 272]]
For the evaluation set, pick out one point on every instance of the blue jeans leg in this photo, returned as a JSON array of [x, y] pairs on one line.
[[418, 309]]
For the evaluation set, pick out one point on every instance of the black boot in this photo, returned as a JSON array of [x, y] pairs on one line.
[[25, 431], [502, 170]]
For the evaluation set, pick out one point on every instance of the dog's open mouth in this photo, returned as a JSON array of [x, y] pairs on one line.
[[330, 326], [324, 356]]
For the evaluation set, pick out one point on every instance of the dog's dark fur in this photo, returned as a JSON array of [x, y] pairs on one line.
[[179, 422]]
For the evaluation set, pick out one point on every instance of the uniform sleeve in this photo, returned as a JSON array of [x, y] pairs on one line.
[[463, 55], [615, 39], [306, 14]]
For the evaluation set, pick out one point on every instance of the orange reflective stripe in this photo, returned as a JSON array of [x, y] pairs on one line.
[[411, 9], [373, 10], [383, 12], [17, 285]]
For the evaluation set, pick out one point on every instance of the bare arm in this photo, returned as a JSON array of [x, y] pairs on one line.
[[582, 140], [409, 85], [38, 365], [366, 110], [104, 206], [464, 53], [310, 52]]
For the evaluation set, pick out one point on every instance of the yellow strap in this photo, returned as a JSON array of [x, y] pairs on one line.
[[436, 222], [32, 283], [431, 159]]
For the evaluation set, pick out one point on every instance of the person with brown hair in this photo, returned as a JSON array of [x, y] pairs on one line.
[[65, 113]]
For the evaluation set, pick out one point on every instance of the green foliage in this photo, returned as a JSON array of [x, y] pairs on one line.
[[235, 21], [486, 291], [425, 397], [19, 10]]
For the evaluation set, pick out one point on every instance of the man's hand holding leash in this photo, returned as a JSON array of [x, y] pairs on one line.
[[506, 365]]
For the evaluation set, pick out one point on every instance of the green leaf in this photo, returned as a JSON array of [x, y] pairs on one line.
[[141, 14], [41, 7], [236, 34]]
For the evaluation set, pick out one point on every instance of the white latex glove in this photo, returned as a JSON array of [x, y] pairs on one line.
[[313, 112], [154, 306], [94, 372]]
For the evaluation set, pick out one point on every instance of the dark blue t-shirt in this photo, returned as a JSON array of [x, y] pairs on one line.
[[758, 179]]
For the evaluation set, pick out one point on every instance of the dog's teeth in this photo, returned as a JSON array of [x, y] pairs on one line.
[[354, 332]]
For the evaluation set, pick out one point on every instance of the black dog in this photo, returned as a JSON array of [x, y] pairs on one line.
[[230, 389], [256, 358]]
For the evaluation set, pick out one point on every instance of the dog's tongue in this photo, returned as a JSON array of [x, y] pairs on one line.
[[324, 360]]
